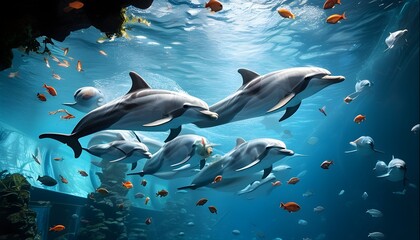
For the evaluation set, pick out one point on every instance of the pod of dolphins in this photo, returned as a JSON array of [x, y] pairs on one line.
[[147, 109]]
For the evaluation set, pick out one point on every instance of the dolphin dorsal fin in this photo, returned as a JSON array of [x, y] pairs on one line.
[[247, 76], [138, 83], [239, 141]]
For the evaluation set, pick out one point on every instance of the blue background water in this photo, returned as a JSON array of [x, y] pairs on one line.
[[187, 48]]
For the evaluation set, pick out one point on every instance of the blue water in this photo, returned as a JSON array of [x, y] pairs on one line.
[[186, 48]]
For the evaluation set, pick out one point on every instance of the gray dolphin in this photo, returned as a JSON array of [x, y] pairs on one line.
[[178, 157], [364, 144], [264, 94], [86, 99], [120, 151], [142, 109], [244, 160], [396, 170]]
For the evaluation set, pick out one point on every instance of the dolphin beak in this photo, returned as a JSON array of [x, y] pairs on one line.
[[335, 79], [211, 114], [287, 152]]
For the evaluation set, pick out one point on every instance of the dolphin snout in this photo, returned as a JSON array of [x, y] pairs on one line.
[[335, 79], [210, 114]]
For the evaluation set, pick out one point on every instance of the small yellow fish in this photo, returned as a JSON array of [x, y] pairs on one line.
[[79, 66]]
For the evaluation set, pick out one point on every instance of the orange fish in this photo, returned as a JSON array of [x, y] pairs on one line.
[[58, 158], [103, 52], [57, 228], [326, 164], [290, 206], [73, 5], [127, 184], [214, 5], [335, 18], [286, 13], [68, 116], [102, 191], [146, 201], [162, 193], [276, 183], [348, 99], [50, 90], [322, 110], [83, 173], [143, 183], [201, 202], [213, 209], [218, 178], [330, 3], [63, 180], [41, 97], [359, 118], [148, 221], [293, 180], [79, 66]]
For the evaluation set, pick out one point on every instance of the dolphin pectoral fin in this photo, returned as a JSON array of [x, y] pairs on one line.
[[290, 111], [133, 166], [138, 83], [267, 171], [282, 102], [248, 166], [351, 151], [70, 140], [119, 159], [174, 132], [186, 166], [192, 186], [69, 104], [378, 151], [137, 173], [383, 175], [247, 76], [182, 162], [158, 122], [202, 163]]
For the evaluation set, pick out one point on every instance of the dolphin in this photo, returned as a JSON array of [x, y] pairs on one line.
[[142, 109], [364, 144], [258, 188], [244, 160], [87, 99], [380, 168], [178, 157], [360, 87], [393, 38], [260, 95], [396, 170], [120, 151]]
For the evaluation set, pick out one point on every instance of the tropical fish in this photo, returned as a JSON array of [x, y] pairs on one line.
[[302, 222], [201, 202], [67, 116], [58, 158], [290, 206], [218, 178], [41, 97], [322, 110], [13, 74], [57, 228], [65, 50], [47, 180], [162, 193], [36, 159], [286, 13], [326, 164], [63, 179], [276, 183], [319, 209], [335, 18], [127, 184], [331, 3], [348, 99], [55, 59], [307, 194], [46, 62], [143, 182], [148, 221], [374, 213], [146, 200], [214, 5], [63, 64], [393, 38], [213, 209], [73, 5], [79, 66], [56, 76], [102, 191], [359, 118], [50, 90], [83, 173], [103, 52], [293, 180], [143, 109]]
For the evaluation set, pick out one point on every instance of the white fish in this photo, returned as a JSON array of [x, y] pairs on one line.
[[341, 192], [302, 222], [393, 38], [319, 209], [236, 232], [307, 194], [376, 235], [365, 195], [374, 213], [415, 128]]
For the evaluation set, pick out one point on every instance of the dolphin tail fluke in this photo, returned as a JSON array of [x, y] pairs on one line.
[[193, 187], [173, 134], [70, 140], [137, 173]]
